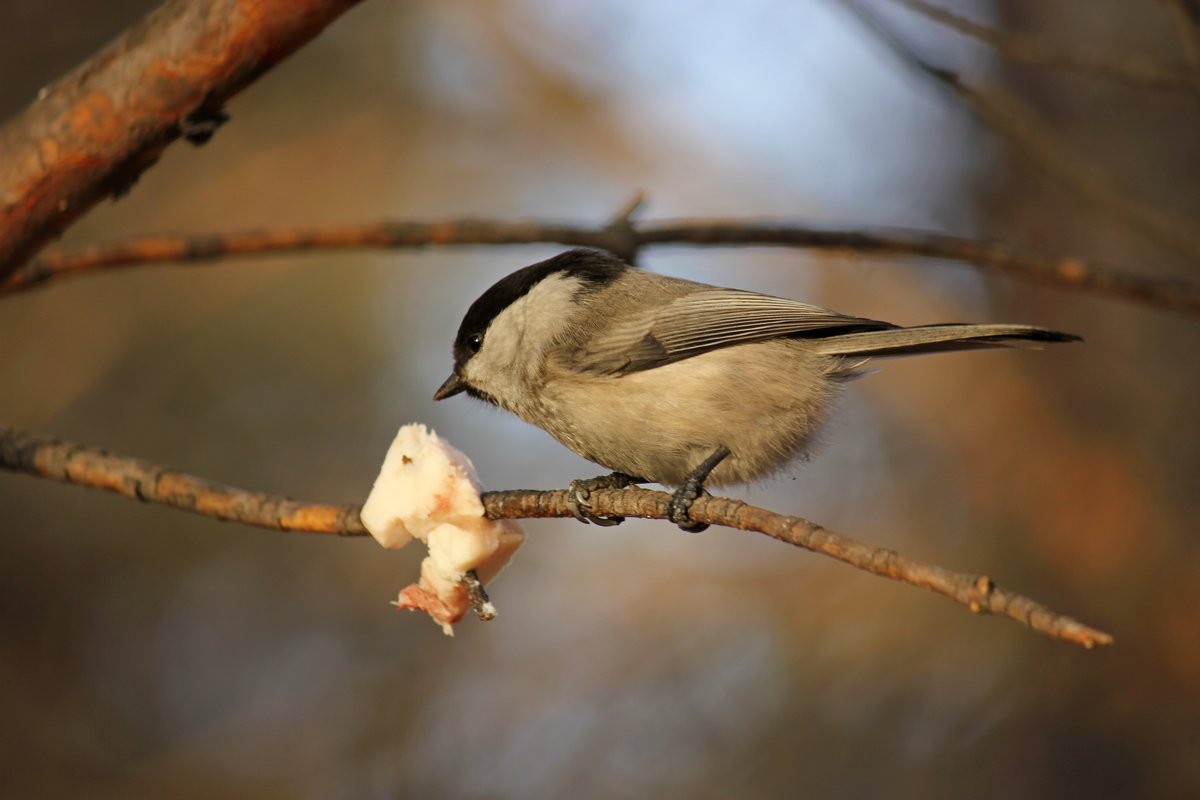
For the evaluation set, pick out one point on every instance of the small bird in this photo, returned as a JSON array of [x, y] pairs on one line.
[[665, 380]]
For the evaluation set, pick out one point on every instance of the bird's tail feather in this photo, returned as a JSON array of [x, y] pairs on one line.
[[938, 339]]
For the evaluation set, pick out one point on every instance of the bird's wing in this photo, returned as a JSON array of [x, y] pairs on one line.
[[705, 320]]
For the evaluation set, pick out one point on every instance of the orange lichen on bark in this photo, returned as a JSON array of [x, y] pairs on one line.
[[94, 131]]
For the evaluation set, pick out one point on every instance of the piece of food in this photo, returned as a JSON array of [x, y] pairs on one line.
[[427, 490]]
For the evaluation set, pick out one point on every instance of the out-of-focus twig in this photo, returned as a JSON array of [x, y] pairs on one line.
[[1187, 19], [623, 233], [1015, 120], [142, 480], [1062, 271], [92, 133], [1137, 70]]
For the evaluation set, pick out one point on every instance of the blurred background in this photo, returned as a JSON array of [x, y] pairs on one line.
[[147, 652]]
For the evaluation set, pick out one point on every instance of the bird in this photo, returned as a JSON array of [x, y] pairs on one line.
[[666, 380]]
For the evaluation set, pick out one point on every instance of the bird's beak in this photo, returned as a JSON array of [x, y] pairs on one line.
[[453, 385]]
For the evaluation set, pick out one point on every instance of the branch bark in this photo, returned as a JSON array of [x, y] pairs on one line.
[[153, 483], [626, 238], [92, 133]]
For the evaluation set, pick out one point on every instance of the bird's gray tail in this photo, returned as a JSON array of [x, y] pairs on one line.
[[937, 339]]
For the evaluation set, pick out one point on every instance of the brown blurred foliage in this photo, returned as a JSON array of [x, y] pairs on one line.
[[148, 653]]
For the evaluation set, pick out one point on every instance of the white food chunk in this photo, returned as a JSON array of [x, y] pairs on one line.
[[427, 490]]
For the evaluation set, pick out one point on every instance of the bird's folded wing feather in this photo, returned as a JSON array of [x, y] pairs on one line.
[[708, 320]]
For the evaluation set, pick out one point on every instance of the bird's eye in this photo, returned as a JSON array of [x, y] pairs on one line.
[[474, 342]]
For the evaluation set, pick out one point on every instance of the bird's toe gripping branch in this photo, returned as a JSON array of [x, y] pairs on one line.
[[580, 490], [679, 508]]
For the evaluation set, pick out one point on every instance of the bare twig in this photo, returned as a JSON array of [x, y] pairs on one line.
[[621, 228], [481, 604], [1051, 269], [142, 480], [1014, 119], [1062, 271], [154, 483], [628, 210], [1140, 71], [1187, 19], [92, 133]]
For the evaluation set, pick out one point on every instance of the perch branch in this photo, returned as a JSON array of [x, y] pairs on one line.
[[1136, 70], [1004, 113], [142, 480], [153, 483], [622, 236], [92, 133]]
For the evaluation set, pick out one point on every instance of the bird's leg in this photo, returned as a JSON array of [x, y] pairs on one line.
[[578, 492], [681, 501]]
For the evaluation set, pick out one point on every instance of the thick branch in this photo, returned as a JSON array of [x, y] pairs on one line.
[[1004, 113], [142, 480], [1061, 271], [96, 130], [1133, 69]]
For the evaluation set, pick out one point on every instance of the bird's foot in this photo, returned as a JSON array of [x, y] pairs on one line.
[[680, 505], [580, 490]]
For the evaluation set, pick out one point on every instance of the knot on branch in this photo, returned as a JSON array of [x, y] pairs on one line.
[[979, 604], [620, 234], [199, 126]]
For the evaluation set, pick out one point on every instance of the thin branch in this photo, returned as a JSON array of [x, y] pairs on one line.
[[1051, 269], [142, 480], [1187, 19], [1140, 71], [1016, 120], [481, 604], [92, 133], [1061, 271], [154, 483]]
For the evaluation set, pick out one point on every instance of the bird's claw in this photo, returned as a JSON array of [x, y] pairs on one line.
[[578, 498], [581, 508], [679, 509]]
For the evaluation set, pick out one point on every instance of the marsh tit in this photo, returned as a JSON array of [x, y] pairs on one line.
[[669, 381]]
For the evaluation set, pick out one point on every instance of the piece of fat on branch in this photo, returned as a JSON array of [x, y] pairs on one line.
[[428, 490]]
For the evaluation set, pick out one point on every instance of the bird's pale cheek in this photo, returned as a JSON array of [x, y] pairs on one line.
[[475, 380], [468, 374]]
